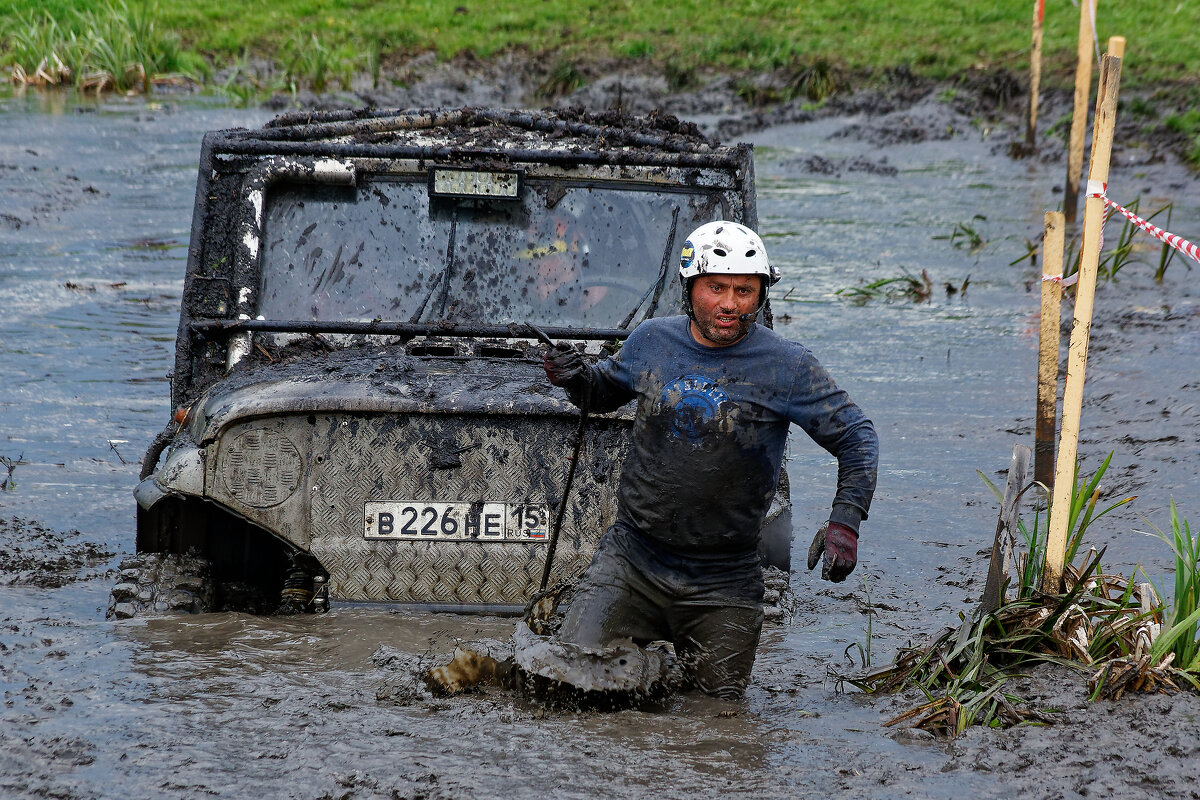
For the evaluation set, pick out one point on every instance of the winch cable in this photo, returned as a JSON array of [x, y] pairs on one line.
[[556, 527]]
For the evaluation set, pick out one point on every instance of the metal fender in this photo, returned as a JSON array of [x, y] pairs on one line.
[[182, 474]]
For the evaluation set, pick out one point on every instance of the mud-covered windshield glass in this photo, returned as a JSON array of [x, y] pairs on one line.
[[572, 256]]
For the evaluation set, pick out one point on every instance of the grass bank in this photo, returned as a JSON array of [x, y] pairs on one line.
[[325, 41]]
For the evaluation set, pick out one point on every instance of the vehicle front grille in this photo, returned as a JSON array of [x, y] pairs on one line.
[[438, 458]]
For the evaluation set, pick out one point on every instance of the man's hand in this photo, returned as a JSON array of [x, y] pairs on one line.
[[564, 365], [840, 546]]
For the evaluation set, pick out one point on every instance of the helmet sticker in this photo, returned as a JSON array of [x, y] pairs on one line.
[[686, 255]]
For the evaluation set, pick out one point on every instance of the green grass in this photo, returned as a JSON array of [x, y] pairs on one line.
[[1188, 124], [111, 46], [819, 39]]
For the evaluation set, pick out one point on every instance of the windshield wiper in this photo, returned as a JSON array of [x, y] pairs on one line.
[[660, 284], [443, 279]]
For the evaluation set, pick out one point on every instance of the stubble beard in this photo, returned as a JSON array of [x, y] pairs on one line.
[[723, 336]]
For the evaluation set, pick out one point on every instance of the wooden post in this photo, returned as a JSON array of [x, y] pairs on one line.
[[1048, 342], [1116, 47], [1089, 260], [1035, 73], [1083, 80]]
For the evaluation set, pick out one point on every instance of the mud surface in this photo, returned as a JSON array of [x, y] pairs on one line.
[[33, 555], [95, 205]]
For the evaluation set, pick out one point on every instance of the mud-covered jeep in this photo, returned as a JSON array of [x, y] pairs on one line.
[[359, 407]]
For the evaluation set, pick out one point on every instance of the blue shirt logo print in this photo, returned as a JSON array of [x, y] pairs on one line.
[[695, 399]]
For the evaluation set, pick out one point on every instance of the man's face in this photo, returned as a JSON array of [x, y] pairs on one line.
[[719, 301]]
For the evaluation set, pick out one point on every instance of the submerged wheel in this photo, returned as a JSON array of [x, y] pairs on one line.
[[162, 583], [779, 601]]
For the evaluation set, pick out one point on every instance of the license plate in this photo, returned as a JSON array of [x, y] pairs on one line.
[[482, 522]]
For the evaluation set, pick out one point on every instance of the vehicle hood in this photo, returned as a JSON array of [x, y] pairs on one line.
[[379, 383]]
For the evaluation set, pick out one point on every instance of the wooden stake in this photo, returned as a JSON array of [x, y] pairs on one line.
[[1116, 47], [1048, 343], [1035, 73], [1089, 260], [1083, 81]]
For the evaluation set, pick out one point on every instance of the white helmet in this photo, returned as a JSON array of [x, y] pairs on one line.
[[726, 248]]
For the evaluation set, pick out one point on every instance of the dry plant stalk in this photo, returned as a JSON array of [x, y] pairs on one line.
[[1135, 675], [51, 71], [1100, 621]]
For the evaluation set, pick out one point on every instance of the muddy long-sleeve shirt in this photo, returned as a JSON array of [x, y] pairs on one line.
[[711, 429]]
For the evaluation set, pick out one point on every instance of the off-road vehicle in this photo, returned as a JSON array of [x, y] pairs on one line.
[[359, 410]]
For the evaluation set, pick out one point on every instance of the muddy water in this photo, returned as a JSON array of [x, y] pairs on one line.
[[95, 204]]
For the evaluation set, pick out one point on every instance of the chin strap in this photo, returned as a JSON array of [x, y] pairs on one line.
[[687, 296]]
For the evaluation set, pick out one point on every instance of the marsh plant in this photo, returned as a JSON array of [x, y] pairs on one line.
[[815, 79], [1177, 637], [1129, 243], [310, 62], [1167, 253], [1082, 513], [112, 47], [8, 483], [564, 77], [1120, 255], [966, 234], [1113, 628], [902, 287], [863, 648]]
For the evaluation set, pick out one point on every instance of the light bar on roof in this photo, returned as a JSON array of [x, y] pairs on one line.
[[445, 182]]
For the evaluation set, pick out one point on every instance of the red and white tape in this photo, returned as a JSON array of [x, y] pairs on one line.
[[1071, 281], [1098, 189]]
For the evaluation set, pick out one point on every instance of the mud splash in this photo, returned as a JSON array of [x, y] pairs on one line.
[[34, 555], [557, 674], [231, 705]]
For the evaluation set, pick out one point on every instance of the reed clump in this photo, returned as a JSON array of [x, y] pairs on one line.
[[915, 289], [1112, 628], [1127, 247], [1177, 638], [309, 61], [113, 47]]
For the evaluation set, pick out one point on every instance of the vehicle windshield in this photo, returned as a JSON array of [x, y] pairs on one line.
[[579, 256]]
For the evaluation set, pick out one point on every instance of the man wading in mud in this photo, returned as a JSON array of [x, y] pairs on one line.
[[715, 395]]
